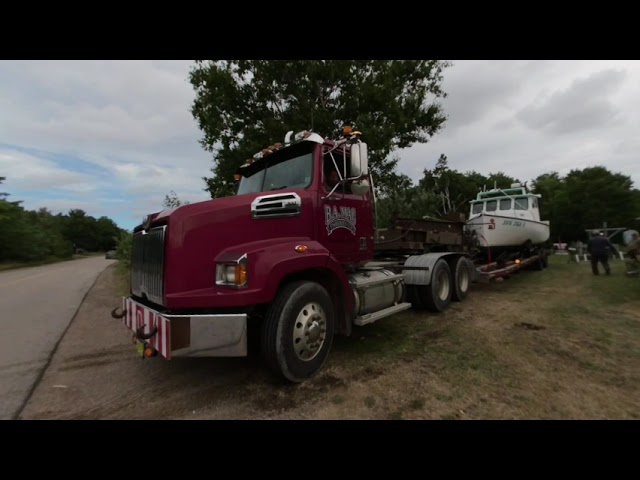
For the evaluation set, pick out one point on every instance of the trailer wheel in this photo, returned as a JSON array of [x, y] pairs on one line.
[[461, 280], [437, 295], [298, 331], [539, 263]]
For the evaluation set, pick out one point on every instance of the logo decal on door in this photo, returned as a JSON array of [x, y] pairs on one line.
[[344, 218]]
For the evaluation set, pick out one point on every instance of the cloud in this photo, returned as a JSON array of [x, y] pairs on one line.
[[29, 173], [583, 106]]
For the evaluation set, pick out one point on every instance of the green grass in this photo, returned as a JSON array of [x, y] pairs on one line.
[[123, 276], [369, 402], [477, 359]]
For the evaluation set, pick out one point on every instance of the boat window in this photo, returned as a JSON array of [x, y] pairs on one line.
[[491, 206], [477, 207], [522, 203], [505, 204], [534, 203]]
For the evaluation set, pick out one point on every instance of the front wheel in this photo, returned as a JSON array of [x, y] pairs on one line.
[[298, 331]]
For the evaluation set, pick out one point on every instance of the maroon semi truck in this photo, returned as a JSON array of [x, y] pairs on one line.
[[289, 261]]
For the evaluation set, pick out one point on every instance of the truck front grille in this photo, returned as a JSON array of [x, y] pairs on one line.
[[147, 264]]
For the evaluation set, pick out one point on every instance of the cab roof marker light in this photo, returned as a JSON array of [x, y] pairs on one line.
[[287, 137]]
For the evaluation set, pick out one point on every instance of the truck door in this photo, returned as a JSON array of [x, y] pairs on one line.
[[345, 223]]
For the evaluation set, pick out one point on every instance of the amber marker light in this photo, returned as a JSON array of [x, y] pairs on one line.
[[149, 352], [241, 274]]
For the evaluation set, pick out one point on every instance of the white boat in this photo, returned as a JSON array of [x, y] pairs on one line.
[[507, 218]]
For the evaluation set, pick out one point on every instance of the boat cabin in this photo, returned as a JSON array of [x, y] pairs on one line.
[[513, 202]]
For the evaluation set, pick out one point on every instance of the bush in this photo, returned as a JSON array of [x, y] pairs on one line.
[[123, 250]]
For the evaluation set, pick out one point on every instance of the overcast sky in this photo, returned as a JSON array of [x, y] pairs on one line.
[[114, 137]]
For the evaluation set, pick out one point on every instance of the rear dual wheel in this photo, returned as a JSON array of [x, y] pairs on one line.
[[444, 287]]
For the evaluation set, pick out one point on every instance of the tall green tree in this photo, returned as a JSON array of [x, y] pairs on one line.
[[107, 233], [455, 189], [81, 230], [586, 198], [242, 106], [554, 206]]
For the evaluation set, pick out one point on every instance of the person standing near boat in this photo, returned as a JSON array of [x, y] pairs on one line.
[[599, 249]]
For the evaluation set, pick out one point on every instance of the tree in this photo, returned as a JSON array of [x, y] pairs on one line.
[[124, 248], [107, 232], [81, 230], [553, 202], [242, 106], [585, 199], [172, 200], [455, 189]]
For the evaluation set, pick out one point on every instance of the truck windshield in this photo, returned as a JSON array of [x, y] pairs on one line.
[[288, 168]]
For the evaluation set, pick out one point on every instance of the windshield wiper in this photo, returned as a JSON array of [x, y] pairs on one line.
[[278, 188]]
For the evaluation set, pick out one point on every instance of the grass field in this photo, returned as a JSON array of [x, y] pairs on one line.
[[560, 343]]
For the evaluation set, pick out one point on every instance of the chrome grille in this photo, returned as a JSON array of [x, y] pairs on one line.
[[147, 264]]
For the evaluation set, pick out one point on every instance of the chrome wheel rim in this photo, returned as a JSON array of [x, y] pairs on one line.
[[309, 331]]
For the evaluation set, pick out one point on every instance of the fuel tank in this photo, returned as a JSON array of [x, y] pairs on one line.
[[376, 290]]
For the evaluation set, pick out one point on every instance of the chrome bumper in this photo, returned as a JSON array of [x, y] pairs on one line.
[[216, 336]]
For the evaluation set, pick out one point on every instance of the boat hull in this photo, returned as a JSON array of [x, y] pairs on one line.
[[503, 231]]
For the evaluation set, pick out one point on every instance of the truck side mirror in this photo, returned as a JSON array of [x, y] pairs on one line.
[[359, 160], [359, 167], [360, 187]]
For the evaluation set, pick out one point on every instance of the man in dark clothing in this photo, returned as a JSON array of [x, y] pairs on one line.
[[599, 248]]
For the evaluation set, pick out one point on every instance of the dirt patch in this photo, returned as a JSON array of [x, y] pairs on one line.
[[478, 360]]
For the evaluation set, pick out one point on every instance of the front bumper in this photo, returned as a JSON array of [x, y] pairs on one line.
[[187, 336]]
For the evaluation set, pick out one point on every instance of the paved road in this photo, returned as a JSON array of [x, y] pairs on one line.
[[36, 306]]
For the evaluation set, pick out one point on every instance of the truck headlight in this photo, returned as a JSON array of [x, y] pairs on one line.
[[232, 274]]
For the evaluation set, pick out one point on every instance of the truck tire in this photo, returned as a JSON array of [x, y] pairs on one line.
[[298, 331], [461, 279], [538, 264], [436, 296]]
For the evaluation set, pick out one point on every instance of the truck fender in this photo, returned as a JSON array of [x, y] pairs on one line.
[[425, 261], [270, 262]]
